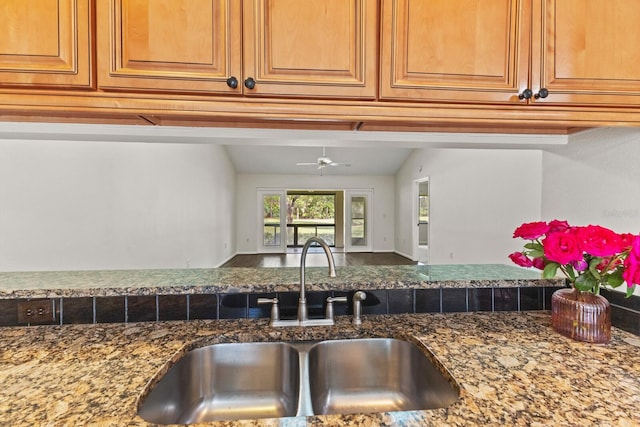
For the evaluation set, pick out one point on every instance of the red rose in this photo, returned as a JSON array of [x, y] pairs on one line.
[[626, 240], [538, 263], [557, 225], [521, 259], [562, 247], [608, 264], [599, 241], [631, 273], [531, 230]]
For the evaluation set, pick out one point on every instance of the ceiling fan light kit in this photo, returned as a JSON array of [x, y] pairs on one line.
[[323, 161]]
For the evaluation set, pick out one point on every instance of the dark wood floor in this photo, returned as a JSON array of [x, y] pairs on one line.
[[318, 259]]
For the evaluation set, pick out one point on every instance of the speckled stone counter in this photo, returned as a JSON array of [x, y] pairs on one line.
[[512, 369], [253, 280]]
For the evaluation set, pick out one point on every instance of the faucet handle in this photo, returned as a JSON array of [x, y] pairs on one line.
[[275, 310], [330, 301]]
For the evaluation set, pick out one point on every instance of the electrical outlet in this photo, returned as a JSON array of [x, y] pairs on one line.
[[37, 312]]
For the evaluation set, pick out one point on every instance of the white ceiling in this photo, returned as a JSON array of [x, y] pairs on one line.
[[282, 160], [274, 151]]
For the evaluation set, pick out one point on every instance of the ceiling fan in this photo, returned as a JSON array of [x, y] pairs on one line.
[[323, 161]]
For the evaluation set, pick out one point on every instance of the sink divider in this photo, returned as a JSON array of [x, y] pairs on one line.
[[305, 408]]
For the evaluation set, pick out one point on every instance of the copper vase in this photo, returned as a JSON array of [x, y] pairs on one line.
[[582, 316]]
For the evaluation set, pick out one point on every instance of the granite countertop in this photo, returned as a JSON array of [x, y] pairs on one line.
[[512, 369], [54, 284]]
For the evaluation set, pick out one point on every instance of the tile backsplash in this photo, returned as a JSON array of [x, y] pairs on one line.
[[625, 312], [151, 308]]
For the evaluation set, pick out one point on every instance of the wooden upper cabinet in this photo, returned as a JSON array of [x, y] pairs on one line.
[[455, 51], [587, 52], [311, 48], [571, 52], [289, 48], [45, 43], [168, 45]]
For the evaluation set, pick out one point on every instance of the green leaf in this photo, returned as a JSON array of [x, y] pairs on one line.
[[571, 273], [534, 254], [630, 290], [535, 250], [550, 270], [534, 246], [586, 283], [615, 279], [592, 267]]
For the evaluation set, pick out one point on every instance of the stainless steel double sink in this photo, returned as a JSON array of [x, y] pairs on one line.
[[278, 379]]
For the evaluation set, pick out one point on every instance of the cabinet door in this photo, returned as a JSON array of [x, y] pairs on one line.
[[169, 45], [587, 52], [45, 43], [455, 51], [311, 48]]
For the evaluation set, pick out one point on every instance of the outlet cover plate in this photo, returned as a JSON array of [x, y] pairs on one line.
[[37, 312]]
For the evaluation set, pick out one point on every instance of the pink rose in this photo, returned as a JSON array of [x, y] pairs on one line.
[[531, 230], [608, 264], [538, 263], [562, 247], [557, 225], [580, 265], [599, 241], [626, 240], [631, 273], [521, 259]]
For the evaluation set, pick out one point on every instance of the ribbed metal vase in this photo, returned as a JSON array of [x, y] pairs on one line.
[[582, 316]]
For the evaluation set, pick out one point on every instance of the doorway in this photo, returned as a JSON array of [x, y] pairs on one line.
[[273, 220], [312, 213], [358, 230], [421, 218], [288, 218]]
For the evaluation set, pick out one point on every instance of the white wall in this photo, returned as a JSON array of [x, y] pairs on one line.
[[477, 198], [100, 205], [382, 206], [94, 205], [595, 179]]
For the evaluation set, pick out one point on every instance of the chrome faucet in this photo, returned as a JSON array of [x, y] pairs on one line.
[[303, 314]]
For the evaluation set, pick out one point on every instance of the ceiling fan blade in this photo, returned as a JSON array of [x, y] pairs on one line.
[[323, 161]]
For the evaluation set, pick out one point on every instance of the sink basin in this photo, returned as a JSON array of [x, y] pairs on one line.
[[227, 382], [374, 375]]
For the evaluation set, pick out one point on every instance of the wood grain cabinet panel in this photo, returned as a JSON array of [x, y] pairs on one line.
[[565, 52], [311, 48], [454, 51], [587, 52], [45, 44], [168, 45], [284, 48]]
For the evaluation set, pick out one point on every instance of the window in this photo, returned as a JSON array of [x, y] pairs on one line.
[[310, 214]]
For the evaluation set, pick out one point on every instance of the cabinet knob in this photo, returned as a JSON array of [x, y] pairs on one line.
[[232, 82], [526, 94], [249, 83], [542, 93]]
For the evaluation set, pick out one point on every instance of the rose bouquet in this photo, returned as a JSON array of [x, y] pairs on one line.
[[589, 256]]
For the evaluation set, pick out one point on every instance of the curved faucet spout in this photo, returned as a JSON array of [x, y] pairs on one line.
[[302, 302]]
